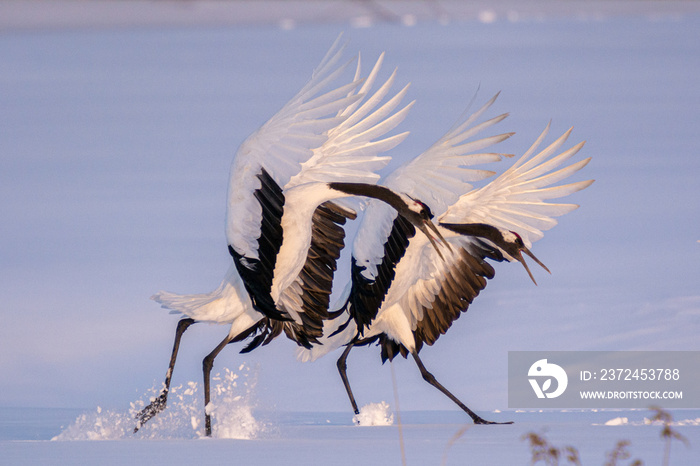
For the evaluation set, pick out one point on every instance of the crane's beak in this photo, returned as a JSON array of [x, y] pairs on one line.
[[532, 256], [428, 228]]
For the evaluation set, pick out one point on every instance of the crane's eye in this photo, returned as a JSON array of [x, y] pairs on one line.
[[518, 239], [425, 210], [421, 208]]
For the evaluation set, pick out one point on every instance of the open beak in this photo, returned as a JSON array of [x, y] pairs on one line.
[[522, 261], [428, 227]]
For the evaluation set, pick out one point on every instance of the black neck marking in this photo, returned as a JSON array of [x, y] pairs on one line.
[[481, 230], [377, 192]]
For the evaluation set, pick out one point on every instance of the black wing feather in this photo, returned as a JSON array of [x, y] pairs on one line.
[[257, 274], [463, 282], [327, 241], [367, 295]]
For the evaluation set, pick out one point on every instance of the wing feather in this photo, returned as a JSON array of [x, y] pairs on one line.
[[436, 293], [437, 177], [282, 144], [515, 200], [432, 177], [351, 151]]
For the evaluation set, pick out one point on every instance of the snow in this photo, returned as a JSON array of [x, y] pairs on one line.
[[428, 437], [231, 412], [618, 421], [231, 409], [117, 126], [374, 414]]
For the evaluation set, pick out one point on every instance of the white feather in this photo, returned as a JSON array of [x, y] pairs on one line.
[[224, 305], [437, 177], [349, 154], [282, 144], [513, 201], [351, 151], [516, 199]]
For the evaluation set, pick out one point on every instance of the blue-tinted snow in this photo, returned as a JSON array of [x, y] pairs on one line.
[[434, 437], [115, 146]]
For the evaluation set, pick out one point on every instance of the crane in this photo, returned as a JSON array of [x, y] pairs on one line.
[[285, 216], [401, 296]]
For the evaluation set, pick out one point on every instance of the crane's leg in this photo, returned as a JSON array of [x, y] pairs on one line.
[[342, 368], [430, 378], [207, 366], [159, 403]]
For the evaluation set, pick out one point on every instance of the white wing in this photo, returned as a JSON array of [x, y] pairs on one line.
[[437, 177], [429, 293], [350, 153], [516, 200], [282, 144]]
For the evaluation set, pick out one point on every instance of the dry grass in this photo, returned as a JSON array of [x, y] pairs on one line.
[[542, 451]]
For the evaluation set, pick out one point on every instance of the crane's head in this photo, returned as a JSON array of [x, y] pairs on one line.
[[513, 244], [420, 215], [508, 241], [419, 207]]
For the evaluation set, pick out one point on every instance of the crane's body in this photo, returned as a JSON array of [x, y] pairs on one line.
[[403, 296], [284, 228]]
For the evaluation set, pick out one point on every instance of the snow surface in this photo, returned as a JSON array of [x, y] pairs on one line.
[[116, 136], [427, 437]]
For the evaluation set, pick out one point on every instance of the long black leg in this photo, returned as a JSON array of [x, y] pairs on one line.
[[207, 366], [159, 403], [342, 368], [430, 378]]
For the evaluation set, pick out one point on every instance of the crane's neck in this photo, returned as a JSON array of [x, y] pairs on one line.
[[499, 237], [404, 205]]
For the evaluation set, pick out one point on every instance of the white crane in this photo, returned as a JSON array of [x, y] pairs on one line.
[[283, 229], [401, 295]]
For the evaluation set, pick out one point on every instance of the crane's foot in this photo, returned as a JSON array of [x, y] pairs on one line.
[[480, 420], [151, 410]]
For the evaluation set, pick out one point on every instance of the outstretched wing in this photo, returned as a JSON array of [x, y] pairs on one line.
[[265, 163], [432, 293], [516, 200], [270, 256], [309, 295], [351, 154], [437, 177], [351, 150], [281, 145], [442, 173]]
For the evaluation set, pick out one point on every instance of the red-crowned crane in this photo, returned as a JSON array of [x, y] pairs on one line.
[[401, 295], [283, 229]]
